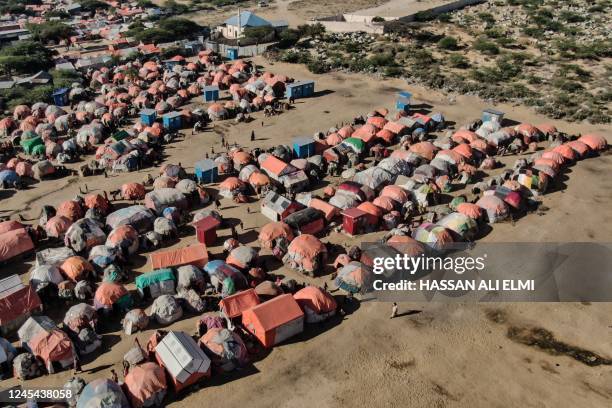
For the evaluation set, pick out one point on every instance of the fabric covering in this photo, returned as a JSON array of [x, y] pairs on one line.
[[224, 347], [84, 234], [353, 277], [102, 392], [315, 299], [303, 252], [272, 231], [51, 346], [166, 309], [138, 216], [145, 385], [14, 243]]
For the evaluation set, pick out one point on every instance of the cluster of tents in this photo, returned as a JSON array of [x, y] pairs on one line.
[[90, 269], [152, 89]]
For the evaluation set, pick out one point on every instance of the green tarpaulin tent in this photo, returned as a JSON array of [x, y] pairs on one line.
[[158, 275], [357, 145], [29, 145]]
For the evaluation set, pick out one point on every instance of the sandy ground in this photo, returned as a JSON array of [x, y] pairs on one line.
[[400, 8], [435, 355]]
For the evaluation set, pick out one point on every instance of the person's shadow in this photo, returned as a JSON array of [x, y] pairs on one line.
[[408, 313]]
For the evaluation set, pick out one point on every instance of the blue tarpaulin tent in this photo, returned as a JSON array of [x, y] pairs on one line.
[[207, 171], [172, 120], [148, 116], [210, 93], [304, 147]]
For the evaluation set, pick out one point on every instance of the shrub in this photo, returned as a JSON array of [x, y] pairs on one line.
[[448, 43], [317, 66], [486, 47], [458, 61], [25, 57]]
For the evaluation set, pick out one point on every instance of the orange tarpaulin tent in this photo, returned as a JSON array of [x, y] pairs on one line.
[[18, 303], [195, 255], [233, 306], [13, 243], [326, 208], [275, 320]]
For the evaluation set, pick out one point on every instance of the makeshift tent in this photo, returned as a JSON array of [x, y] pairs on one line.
[[274, 321], [470, 210], [166, 309], [156, 283], [102, 392], [17, 302], [406, 245], [41, 276], [145, 385], [234, 305], [138, 216], [80, 316], [219, 272], [14, 243], [353, 277], [84, 234], [596, 143], [271, 232], [374, 178], [190, 277], [76, 268], [463, 226], [125, 238], [306, 221], [495, 207], [242, 257], [57, 226], [133, 191], [317, 304], [135, 319], [53, 346], [195, 254], [225, 348], [305, 253], [160, 199], [110, 294], [435, 236], [185, 362]]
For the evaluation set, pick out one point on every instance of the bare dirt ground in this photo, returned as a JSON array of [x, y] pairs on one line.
[[435, 355], [400, 8]]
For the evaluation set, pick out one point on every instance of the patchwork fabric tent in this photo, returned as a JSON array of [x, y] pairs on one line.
[[353, 277], [225, 348], [102, 392], [145, 385]]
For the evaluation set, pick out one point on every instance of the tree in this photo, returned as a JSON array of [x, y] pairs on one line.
[[169, 29], [51, 31], [25, 57], [458, 61], [259, 34], [93, 5], [288, 38], [311, 30]]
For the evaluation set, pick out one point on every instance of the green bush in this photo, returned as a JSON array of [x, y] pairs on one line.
[[64, 78], [317, 66], [93, 5], [448, 43], [20, 96], [485, 47], [458, 61]]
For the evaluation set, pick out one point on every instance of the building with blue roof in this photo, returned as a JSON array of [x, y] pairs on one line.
[[234, 26]]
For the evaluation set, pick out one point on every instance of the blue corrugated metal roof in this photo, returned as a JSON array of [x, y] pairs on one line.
[[247, 19]]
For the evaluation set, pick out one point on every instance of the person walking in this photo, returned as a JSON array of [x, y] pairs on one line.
[[252, 135], [393, 311], [76, 364]]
